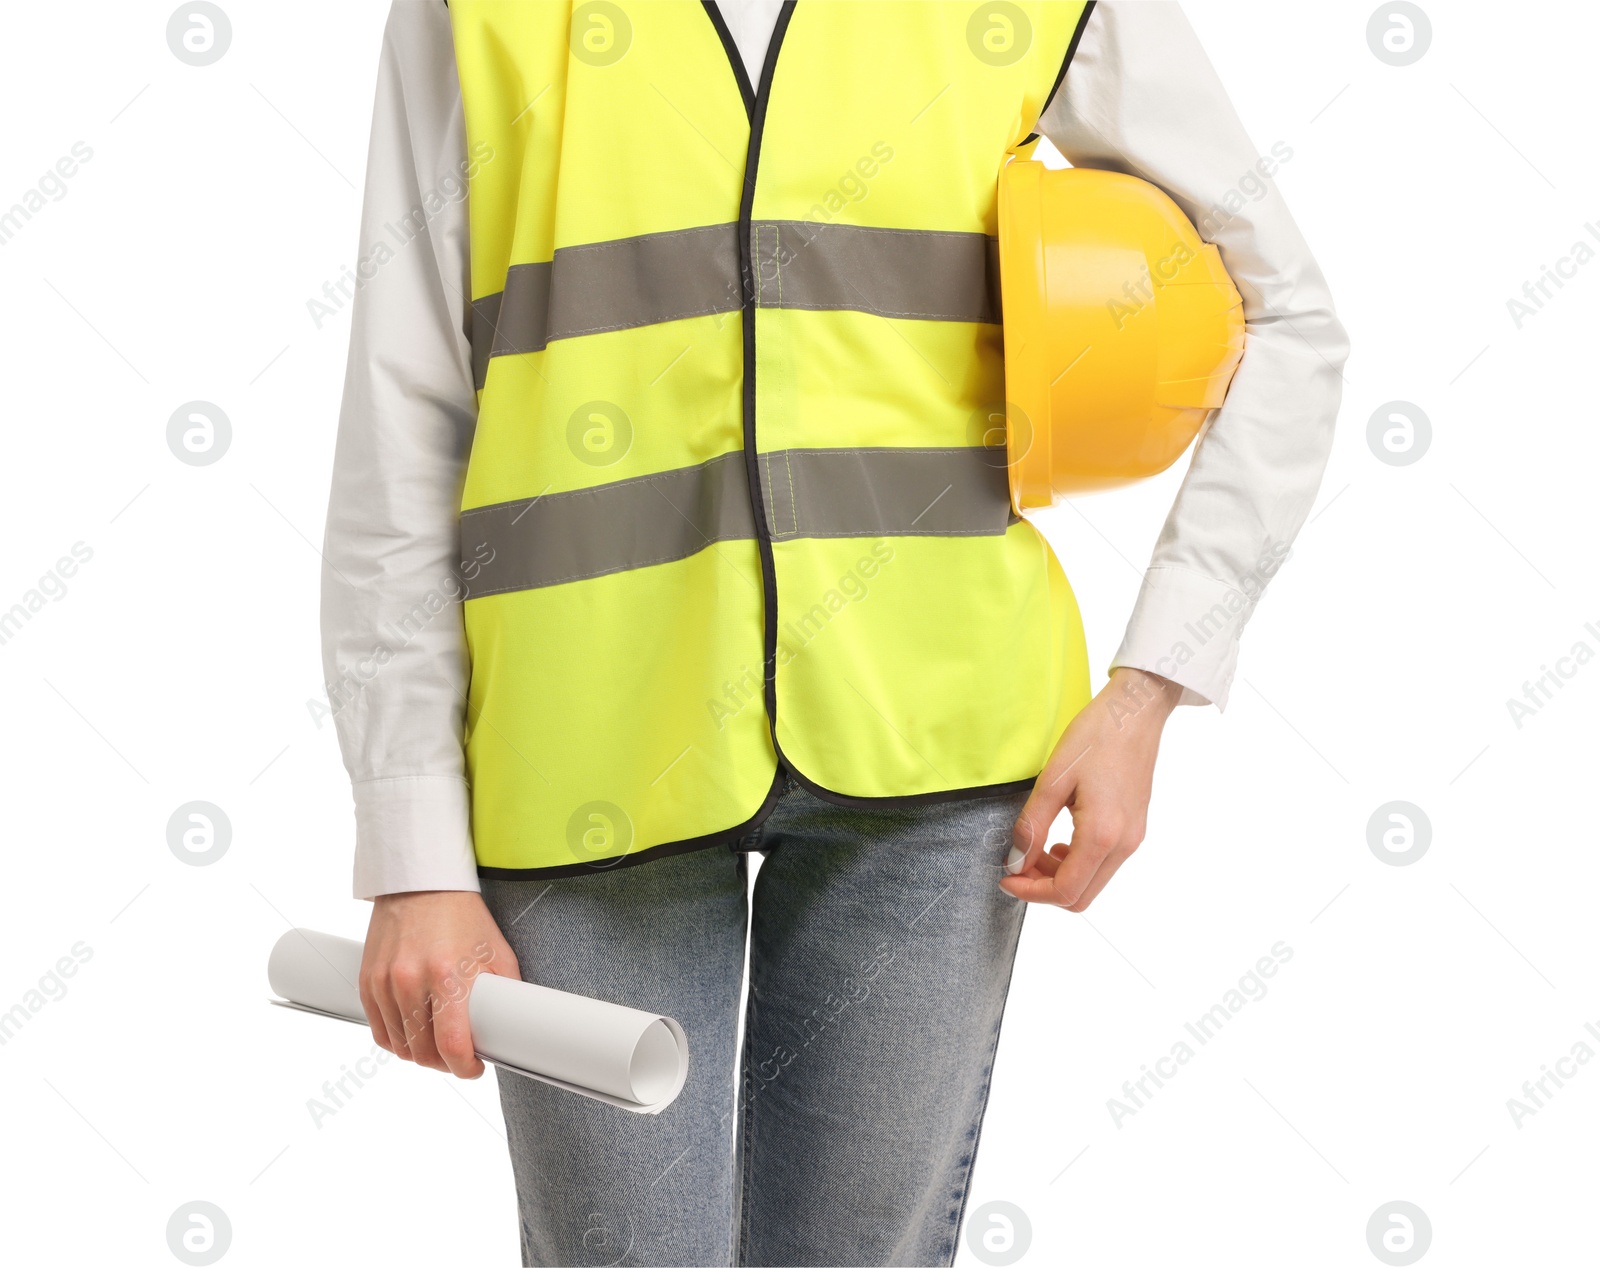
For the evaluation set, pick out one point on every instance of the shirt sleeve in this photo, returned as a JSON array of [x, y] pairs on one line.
[[1141, 97], [394, 648]]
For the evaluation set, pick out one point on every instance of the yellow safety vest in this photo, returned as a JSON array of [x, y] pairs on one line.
[[737, 499]]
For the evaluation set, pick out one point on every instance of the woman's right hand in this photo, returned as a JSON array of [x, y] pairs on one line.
[[423, 950]]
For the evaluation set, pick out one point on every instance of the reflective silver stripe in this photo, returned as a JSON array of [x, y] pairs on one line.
[[954, 492], [544, 541], [601, 286], [923, 274], [561, 537]]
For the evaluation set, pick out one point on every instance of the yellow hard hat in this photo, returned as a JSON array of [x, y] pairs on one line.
[[1122, 329]]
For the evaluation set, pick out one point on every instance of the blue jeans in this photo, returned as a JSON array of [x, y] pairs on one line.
[[880, 955]]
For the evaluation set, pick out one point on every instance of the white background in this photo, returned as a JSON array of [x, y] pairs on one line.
[[179, 664]]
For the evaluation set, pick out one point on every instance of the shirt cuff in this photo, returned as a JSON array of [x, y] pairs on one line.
[[413, 832], [1185, 627]]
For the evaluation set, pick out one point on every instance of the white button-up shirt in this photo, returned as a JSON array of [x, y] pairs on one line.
[[1140, 97]]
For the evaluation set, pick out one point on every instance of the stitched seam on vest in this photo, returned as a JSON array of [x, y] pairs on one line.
[[852, 449], [822, 226], [606, 247], [635, 565], [899, 313], [772, 505], [575, 331], [794, 502], [755, 260], [597, 490], [904, 532], [711, 468], [610, 243]]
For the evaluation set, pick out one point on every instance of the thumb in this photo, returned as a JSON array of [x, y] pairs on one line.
[[1030, 835], [1053, 791]]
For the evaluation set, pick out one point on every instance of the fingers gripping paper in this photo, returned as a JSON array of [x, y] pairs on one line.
[[623, 1056]]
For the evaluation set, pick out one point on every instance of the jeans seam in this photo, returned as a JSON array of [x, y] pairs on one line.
[[746, 1144], [983, 1103]]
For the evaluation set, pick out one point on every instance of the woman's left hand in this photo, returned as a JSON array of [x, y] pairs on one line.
[[1100, 771]]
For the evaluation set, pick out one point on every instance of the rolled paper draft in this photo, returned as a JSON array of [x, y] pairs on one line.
[[609, 1052]]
